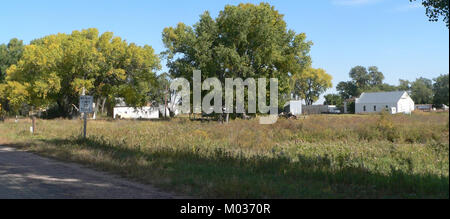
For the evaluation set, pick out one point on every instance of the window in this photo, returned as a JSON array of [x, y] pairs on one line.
[[374, 108], [364, 108]]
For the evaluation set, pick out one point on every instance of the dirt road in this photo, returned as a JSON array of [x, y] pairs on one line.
[[26, 175]]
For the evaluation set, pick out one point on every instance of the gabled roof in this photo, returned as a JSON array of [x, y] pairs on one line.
[[381, 97]]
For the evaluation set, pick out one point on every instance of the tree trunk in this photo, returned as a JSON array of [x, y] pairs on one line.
[[109, 108], [33, 121], [103, 105], [96, 108]]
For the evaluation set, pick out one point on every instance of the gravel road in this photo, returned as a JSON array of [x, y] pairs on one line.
[[26, 175]]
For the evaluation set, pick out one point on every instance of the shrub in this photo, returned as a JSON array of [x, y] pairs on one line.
[[387, 128]]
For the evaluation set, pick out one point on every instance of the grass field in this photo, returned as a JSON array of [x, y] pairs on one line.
[[322, 156]]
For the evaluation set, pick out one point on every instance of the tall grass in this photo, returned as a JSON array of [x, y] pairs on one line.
[[355, 156]]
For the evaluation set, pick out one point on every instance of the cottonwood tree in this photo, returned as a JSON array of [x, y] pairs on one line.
[[382, 88], [347, 89], [161, 94], [311, 84], [404, 85], [363, 80], [56, 68], [9, 55], [360, 76], [422, 91], [375, 76], [441, 90], [333, 99], [244, 41]]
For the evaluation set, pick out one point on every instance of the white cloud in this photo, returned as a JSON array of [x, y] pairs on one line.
[[354, 2]]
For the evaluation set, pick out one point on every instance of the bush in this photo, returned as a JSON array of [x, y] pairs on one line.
[[387, 128]]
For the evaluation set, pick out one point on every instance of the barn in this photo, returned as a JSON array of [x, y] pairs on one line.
[[394, 102]]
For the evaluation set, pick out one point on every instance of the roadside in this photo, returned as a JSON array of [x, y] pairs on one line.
[[25, 175], [319, 157]]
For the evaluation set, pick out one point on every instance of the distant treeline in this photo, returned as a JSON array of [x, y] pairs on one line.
[[422, 90]]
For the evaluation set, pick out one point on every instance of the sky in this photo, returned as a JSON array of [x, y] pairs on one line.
[[394, 35]]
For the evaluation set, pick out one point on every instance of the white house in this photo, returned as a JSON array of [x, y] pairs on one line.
[[394, 102]]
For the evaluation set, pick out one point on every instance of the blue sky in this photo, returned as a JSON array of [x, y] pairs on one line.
[[394, 35]]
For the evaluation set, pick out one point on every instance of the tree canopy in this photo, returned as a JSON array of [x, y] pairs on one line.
[[421, 91], [244, 41], [347, 89], [55, 69], [333, 99], [311, 84], [441, 90], [10, 55], [363, 80]]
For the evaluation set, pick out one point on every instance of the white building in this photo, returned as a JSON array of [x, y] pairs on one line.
[[122, 111], [147, 112], [294, 107], [394, 102]]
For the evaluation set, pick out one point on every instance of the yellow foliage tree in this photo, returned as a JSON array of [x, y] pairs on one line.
[[54, 70], [311, 84]]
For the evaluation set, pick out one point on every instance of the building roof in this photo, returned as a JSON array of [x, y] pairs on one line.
[[381, 97]]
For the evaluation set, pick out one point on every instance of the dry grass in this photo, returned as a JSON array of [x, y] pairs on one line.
[[322, 156]]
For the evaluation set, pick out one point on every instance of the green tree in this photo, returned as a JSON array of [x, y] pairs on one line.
[[382, 88], [363, 80], [404, 85], [360, 76], [56, 68], [158, 93], [375, 77], [333, 99], [421, 91], [436, 9], [311, 84], [347, 89], [9, 55], [161, 94], [244, 41], [441, 90]]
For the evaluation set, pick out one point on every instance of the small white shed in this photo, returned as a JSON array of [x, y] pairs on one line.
[[394, 102], [294, 107]]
